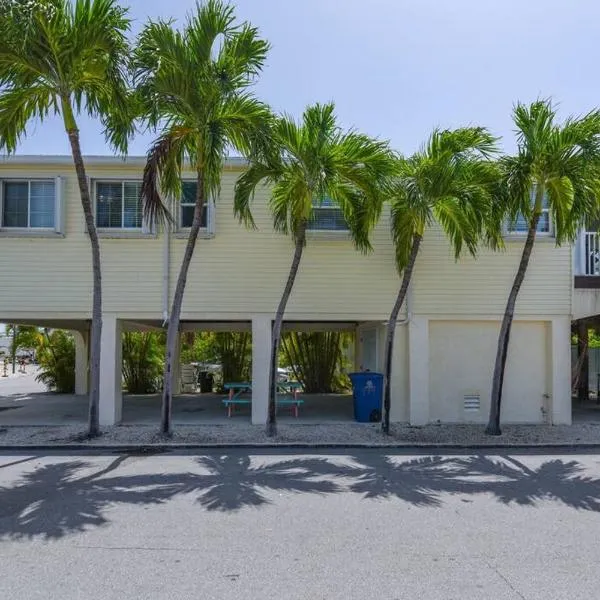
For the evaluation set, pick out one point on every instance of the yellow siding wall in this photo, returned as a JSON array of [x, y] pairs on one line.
[[480, 286], [242, 271], [52, 277], [239, 272]]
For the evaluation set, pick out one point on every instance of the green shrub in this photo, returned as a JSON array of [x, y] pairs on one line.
[[143, 360], [231, 350], [318, 360], [56, 358], [234, 350]]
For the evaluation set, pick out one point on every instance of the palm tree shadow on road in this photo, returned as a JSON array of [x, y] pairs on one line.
[[63, 498]]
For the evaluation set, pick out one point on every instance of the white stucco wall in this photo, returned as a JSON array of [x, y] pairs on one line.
[[462, 355]]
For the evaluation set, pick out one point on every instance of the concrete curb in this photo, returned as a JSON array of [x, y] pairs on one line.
[[166, 447]]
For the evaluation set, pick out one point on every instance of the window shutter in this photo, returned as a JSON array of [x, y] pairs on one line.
[[1, 201], [59, 204]]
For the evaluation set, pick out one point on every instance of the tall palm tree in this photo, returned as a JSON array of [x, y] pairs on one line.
[[449, 181], [64, 57], [558, 165], [309, 162], [193, 86]]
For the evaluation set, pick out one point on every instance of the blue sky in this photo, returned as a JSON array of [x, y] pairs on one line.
[[398, 68]]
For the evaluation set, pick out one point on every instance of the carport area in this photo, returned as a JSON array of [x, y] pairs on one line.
[[23, 401]]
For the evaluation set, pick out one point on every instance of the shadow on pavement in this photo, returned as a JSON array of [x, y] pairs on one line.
[[62, 498]]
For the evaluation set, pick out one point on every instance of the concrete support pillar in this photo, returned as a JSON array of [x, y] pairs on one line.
[[399, 410], [261, 357], [418, 367], [356, 349], [176, 384], [583, 391], [561, 371], [82, 363], [111, 395]]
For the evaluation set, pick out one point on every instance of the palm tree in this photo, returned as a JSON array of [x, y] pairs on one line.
[[449, 181], [309, 162], [557, 165], [64, 57], [193, 85]]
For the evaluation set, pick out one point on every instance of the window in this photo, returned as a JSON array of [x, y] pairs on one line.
[[521, 226], [188, 205], [28, 204], [326, 216], [118, 205]]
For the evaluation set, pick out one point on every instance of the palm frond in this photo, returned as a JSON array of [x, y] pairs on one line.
[[19, 106], [162, 172], [563, 160], [313, 159], [196, 80], [245, 190], [58, 52], [452, 181]]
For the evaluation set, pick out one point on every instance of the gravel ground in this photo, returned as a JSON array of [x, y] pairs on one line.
[[335, 434]]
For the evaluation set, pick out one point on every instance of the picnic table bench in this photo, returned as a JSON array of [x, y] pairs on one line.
[[290, 397]]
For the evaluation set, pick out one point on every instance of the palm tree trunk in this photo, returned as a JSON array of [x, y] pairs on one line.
[[493, 427], [276, 334], [86, 203], [391, 331], [173, 327]]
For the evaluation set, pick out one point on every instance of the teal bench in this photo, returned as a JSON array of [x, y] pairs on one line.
[[292, 401], [234, 398], [236, 390]]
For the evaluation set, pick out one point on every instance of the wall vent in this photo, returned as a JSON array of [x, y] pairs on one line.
[[472, 402]]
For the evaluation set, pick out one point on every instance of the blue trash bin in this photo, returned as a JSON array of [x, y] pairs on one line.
[[367, 390]]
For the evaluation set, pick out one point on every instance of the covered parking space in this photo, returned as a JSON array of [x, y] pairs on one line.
[[23, 401], [191, 406]]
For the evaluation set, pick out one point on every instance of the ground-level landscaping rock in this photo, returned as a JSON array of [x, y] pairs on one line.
[[334, 434]]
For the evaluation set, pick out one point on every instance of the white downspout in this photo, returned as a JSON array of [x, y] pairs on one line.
[[408, 307], [166, 266]]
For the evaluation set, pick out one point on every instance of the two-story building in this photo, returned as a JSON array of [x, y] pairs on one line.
[[446, 337]]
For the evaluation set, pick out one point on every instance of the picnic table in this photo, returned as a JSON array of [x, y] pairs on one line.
[[290, 395]]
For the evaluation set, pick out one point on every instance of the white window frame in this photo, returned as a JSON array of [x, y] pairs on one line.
[[206, 232], [52, 231], [122, 231], [513, 233]]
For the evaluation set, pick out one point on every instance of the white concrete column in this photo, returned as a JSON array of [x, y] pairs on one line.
[[418, 367], [261, 356], [357, 349], [176, 373], [82, 364], [399, 410], [111, 395], [561, 371]]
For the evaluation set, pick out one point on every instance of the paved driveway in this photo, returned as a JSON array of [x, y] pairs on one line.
[[268, 526]]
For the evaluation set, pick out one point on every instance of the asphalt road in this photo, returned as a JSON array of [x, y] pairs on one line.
[[276, 525]]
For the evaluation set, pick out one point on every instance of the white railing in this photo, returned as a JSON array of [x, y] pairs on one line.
[[588, 254]]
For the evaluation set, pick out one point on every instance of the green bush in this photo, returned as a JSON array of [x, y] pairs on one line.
[[143, 360], [235, 355], [231, 350], [56, 358], [318, 360]]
